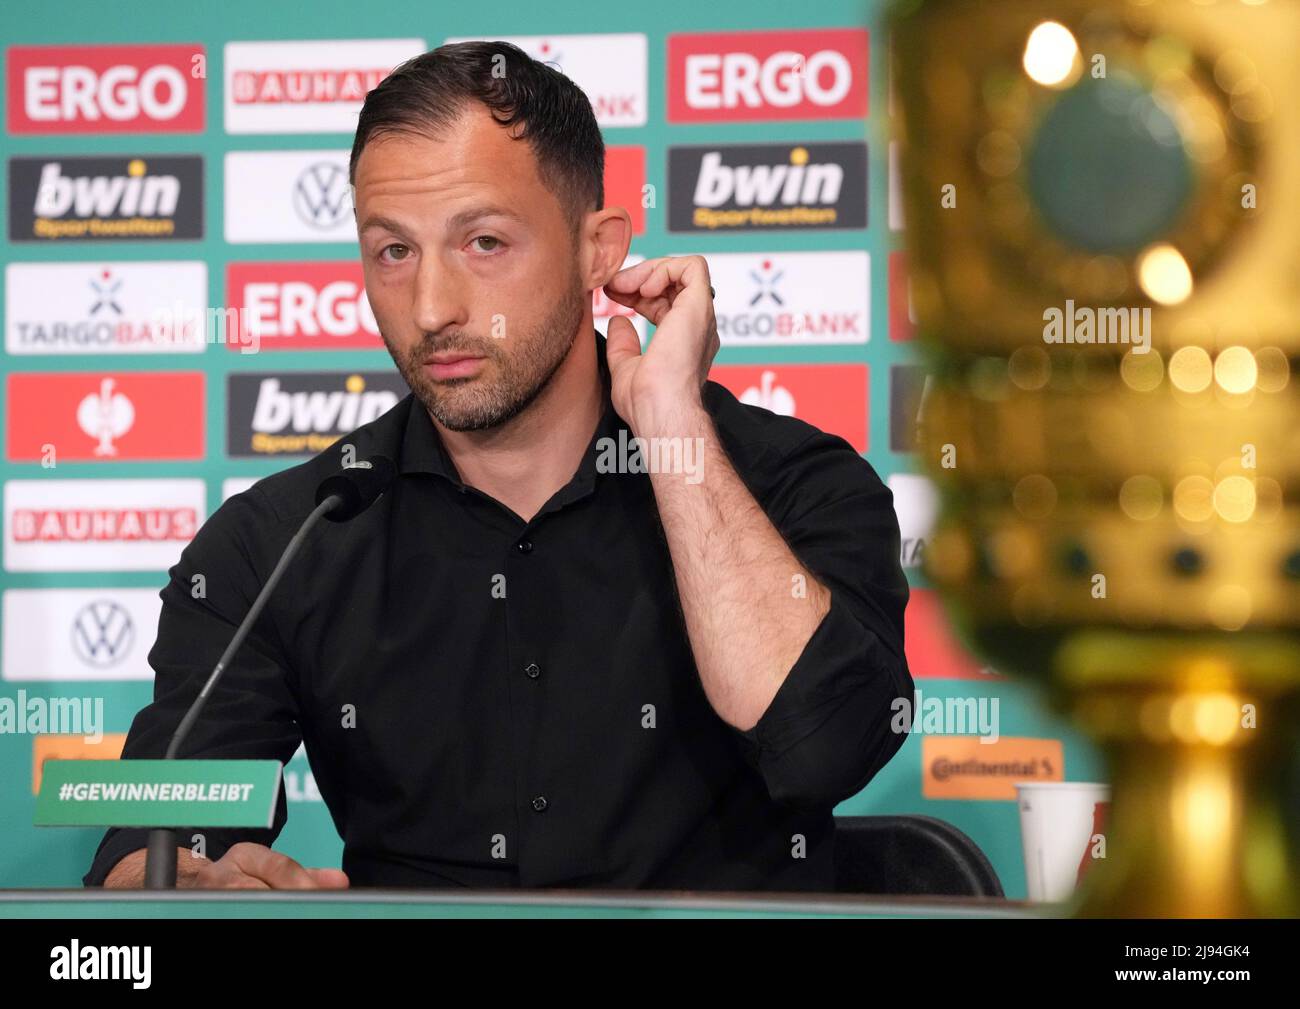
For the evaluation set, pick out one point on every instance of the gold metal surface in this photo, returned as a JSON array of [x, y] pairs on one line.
[[1121, 518]]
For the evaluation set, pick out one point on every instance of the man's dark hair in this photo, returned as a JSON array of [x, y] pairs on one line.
[[428, 93]]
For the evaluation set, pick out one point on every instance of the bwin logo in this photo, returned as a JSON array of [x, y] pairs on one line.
[[802, 182], [137, 193], [102, 634], [322, 196]]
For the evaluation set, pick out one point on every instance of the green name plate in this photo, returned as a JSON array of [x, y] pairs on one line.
[[158, 793]]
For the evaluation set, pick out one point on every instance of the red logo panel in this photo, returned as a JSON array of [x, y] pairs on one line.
[[747, 76], [933, 650], [301, 306], [832, 397], [105, 417], [105, 89], [901, 326], [624, 181]]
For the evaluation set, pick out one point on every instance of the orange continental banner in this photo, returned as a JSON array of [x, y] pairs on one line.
[[73, 747], [963, 767]]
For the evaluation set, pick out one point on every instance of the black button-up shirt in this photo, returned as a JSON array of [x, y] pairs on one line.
[[486, 701]]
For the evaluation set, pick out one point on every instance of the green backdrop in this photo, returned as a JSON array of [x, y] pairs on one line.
[[58, 857]]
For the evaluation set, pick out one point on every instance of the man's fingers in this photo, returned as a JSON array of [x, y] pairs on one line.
[[222, 875], [653, 309], [651, 287], [242, 882], [621, 341], [248, 866], [629, 279], [330, 879], [280, 872]]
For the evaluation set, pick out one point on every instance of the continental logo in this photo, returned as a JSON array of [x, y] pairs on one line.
[[60, 747], [774, 187], [105, 198], [303, 413], [964, 767]]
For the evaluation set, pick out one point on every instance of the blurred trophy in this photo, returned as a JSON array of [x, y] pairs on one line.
[[1102, 203]]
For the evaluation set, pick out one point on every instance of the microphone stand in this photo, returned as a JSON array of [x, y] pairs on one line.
[[160, 854]]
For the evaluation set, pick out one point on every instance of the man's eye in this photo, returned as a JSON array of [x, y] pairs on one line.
[[398, 255], [496, 242]]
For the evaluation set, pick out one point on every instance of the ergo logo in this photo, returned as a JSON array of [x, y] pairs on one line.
[[817, 74], [106, 89]]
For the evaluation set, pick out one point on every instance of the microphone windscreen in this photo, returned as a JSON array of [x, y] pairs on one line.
[[359, 486]]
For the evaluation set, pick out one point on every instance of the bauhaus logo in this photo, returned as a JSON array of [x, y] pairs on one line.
[[303, 413], [745, 76], [306, 86], [288, 196], [104, 417], [610, 69], [99, 525], [832, 397], [791, 298], [303, 306], [105, 308], [105, 198], [106, 89], [79, 634], [767, 186]]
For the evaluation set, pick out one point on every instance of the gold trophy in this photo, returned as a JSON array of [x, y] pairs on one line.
[[1102, 205]]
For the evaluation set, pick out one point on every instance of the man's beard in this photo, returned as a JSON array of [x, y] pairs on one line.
[[477, 403]]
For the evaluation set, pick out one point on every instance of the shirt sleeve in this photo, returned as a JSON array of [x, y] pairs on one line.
[[253, 712], [830, 727]]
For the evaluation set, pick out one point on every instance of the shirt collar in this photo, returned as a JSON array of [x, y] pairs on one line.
[[423, 450]]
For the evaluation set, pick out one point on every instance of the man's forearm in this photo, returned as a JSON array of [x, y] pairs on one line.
[[128, 874], [750, 606]]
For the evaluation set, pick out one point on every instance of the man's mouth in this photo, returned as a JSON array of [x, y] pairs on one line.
[[452, 364]]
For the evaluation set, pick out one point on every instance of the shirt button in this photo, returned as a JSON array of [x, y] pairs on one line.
[[533, 670], [525, 546], [539, 803]]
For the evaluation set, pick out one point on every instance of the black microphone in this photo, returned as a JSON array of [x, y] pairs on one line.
[[357, 487], [340, 497]]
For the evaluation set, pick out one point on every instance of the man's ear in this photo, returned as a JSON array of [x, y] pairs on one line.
[[605, 239]]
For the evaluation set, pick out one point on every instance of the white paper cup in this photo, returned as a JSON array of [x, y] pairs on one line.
[[1056, 820]]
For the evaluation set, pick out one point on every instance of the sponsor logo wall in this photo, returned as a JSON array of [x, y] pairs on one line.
[[185, 313]]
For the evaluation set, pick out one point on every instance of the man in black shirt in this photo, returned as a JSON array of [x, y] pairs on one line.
[[608, 627]]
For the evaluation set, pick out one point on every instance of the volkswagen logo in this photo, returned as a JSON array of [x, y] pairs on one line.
[[322, 196], [102, 634]]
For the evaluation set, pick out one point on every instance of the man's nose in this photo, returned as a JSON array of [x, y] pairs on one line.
[[439, 297]]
